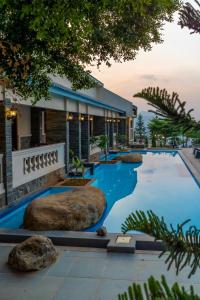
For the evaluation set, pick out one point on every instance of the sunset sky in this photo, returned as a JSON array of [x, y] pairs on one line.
[[174, 65]]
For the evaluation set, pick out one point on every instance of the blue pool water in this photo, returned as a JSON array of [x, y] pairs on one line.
[[161, 183]]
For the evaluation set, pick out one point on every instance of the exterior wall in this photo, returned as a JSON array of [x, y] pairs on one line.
[[6, 149], [75, 135], [33, 163], [100, 126], [36, 129], [32, 186], [24, 126], [101, 94], [2, 200]]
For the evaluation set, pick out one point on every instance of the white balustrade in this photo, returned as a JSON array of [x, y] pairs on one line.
[[35, 162], [1, 174]]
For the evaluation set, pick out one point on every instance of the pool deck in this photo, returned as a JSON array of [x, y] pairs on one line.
[[192, 162], [86, 274], [91, 273]]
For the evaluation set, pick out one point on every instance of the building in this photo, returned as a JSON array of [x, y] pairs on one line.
[[35, 144]]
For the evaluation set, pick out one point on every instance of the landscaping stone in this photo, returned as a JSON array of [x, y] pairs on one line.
[[130, 158], [33, 254], [74, 182], [73, 210], [102, 231]]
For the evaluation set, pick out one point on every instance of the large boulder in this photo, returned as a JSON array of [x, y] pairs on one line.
[[33, 254], [72, 210], [130, 158]]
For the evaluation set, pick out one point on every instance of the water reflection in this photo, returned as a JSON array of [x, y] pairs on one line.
[[161, 183], [117, 182]]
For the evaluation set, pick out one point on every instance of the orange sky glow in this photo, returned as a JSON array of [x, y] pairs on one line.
[[174, 65]]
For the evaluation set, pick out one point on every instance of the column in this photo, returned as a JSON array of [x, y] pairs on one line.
[[85, 138], [57, 130], [111, 134], [75, 135], [6, 149]]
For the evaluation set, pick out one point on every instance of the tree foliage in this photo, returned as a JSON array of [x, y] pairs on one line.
[[169, 107], [183, 245], [154, 289], [190, 17], [140, 129], [64, 37], [162, 129]]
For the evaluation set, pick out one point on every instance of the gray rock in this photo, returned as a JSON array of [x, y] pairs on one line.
[[33, 254], [101, 231]]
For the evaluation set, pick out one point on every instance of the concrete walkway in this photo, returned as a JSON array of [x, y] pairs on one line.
[[192, 162], [85, 274]]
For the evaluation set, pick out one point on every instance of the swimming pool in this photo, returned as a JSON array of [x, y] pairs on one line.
[[161, 183]]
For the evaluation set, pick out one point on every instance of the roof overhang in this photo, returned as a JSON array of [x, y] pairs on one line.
[[76, 96]]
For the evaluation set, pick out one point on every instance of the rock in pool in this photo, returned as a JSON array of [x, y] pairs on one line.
[[73, 210]]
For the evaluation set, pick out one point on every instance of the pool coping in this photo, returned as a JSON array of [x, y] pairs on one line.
[[85, 239], [90, 239], [190, 167]]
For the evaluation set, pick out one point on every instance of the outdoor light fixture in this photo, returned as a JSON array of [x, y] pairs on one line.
[[11, 113], [118, 120], [109, 120], [70, 117], [81, 118], [90, 118]]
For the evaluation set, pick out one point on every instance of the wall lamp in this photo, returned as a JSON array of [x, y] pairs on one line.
[[70, 117], [81, 118], [11, 113], [90, 118], [109, 120]]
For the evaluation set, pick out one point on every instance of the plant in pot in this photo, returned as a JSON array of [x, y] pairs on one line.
[[103, 144], [121, 141], [76, 172]]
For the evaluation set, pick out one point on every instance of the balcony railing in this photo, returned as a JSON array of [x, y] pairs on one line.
[[1, 174], [35, 162]]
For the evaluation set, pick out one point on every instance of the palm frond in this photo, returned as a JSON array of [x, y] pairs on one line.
[[159, 290], [182, 246], [169, 106]]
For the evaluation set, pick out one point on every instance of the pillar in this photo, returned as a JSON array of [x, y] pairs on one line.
[[75, 135], [85, 138], [111, 134], [6, 149], [57, 130]]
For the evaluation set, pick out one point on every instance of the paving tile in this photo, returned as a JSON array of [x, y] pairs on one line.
[[44, 289], [84, 254], [145, 269], [62, 266], [109, 289], [120, 269], [88, 267], [78, 288]]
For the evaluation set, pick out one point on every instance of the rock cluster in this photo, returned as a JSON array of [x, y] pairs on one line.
[[73, 210]]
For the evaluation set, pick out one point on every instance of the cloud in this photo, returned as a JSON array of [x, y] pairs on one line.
[[151, 77]]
